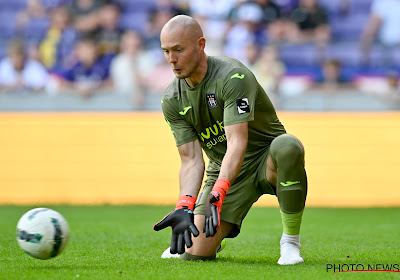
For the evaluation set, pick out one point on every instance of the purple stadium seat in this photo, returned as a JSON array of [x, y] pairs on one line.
[[49, 4], [286, 6], [7, 24], [347, 53], [332, 7], [3, 48], [360, 6], [36, 29], [348, 27], [137, 6], [299, 54], [396, 58], [12, 5], [135, 21]]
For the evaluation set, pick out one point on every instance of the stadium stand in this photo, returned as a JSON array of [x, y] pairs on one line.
[[347, 20]]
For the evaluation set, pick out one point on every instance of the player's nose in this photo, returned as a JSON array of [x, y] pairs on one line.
[[172, 59]]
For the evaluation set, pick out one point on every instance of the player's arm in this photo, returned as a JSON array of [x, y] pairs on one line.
[[182, 218], [191, 174], [236, 137], [192, 168]]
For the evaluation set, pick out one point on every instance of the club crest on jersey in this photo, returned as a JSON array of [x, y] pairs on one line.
[[212, 101]]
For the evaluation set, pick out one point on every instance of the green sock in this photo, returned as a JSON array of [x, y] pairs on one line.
[[291, 222]]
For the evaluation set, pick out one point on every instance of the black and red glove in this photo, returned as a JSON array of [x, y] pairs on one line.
[[182, 222], [214, 203]]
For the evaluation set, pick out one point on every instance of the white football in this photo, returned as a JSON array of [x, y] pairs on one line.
[[42, 233]]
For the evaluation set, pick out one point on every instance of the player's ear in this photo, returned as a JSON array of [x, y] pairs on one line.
[[201, 43]]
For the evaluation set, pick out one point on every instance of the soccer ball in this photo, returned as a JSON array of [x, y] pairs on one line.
[[42, 233]]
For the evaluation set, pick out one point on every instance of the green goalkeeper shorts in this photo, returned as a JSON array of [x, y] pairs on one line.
[[241, 196]]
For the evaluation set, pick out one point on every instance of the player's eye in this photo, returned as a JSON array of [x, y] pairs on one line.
[[166, 51]]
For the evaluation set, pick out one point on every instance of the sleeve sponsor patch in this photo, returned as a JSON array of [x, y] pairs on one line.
[[243, 105]]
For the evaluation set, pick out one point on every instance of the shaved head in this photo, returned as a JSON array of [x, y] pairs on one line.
[[185, 24], [183, 45]]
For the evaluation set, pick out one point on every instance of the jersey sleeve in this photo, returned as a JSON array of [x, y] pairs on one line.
[[239, 95], [183, 132]]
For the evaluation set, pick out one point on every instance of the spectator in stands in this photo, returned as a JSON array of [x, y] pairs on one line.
[[19, 73], [156, 81], [85, 16], [247, 29], [34, 10], [182, 6], [109, 34], [213, 17], [91, 72], [172, 5], [269, 70], [152, 30], [384, 21], [275, 26], [33, 53], [332, 76], [56, 47], [251, 55], [129, 67], [309, 24]]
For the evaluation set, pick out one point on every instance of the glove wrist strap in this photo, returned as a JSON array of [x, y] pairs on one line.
[[186, 202], [222, 186]]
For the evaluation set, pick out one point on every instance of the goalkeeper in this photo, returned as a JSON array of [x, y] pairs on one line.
[[215, 104]]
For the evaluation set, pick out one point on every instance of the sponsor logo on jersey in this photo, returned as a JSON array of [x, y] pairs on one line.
[[213, 135], [243, 105], [237, 76], [212, 100]]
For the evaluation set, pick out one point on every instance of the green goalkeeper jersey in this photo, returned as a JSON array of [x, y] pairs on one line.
[[228, 94]]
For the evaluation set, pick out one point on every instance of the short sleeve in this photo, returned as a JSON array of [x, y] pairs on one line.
[[239, 94], [183, 132]]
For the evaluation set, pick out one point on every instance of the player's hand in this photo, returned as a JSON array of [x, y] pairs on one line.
[[214, 203], [182, 222]]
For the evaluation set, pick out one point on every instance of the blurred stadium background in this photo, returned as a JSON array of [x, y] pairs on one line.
[[330, 67]]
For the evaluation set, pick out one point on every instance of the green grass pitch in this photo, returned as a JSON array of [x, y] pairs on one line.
[[117, 242]]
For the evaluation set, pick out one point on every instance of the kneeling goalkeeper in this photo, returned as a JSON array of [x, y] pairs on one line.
[[215, 104]]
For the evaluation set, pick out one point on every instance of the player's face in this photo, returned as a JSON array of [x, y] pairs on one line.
[[181, 53]]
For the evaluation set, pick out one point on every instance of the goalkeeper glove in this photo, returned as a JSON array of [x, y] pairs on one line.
[[214, 203], [182, 222]]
